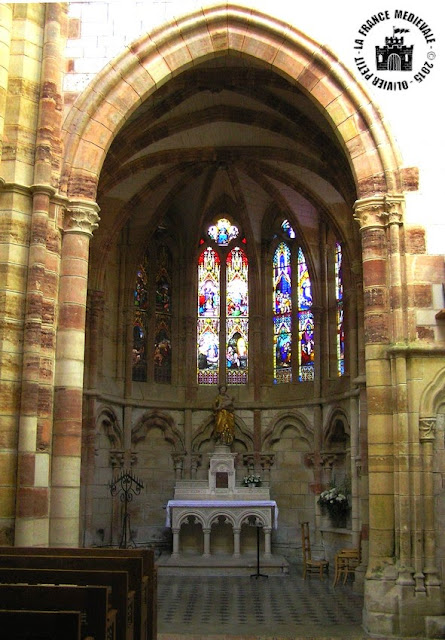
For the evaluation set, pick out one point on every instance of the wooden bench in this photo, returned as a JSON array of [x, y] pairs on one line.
[[46, 625], [138, 563], [121, 598], [98, 619]]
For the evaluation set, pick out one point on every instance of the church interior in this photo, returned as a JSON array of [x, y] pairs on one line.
[[217, 216]]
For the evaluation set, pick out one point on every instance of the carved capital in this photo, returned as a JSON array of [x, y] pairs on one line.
[[379, 211], [394, 208], [196, 460], [427, 429], [267, 460], [81, 217], [117, 459], [178, 460], [371, 212]]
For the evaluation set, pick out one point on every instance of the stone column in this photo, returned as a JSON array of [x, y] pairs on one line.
[[372, 217], [178, 464], [427, 430], [206, 532], [236, 542], [33, 476], [175, 532], [80, 221], [195, 462], [33, 469]]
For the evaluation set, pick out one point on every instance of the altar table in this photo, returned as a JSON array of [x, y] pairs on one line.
[[262, 513]]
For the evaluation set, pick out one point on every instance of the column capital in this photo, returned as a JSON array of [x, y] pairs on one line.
[[394, 206], [379, 211], [370, 212], [427, 429], [81, 216]]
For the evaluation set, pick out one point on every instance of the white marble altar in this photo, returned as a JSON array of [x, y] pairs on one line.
[[220, 500]]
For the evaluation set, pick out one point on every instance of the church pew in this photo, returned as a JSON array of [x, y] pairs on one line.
[[24, 624], [149, 570], [98, 619], [133, 564], [121, 598]]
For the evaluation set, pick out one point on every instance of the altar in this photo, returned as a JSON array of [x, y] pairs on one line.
[[215, 507], [258, 513]]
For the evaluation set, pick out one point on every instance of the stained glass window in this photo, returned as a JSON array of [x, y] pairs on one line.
[[282, 309], [209, 294], [163, 317], [305, 321], [340, 310], [223, 232], [223, 308], [237, 312], [286, 292], [139, 354], [288, 229]]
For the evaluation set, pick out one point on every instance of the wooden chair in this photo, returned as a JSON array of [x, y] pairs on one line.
[[346, 562], [310, 565]]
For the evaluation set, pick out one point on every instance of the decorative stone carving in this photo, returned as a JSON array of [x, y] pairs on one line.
[[427, 429], [394, 208], [178, 463], [117, 459], [379, 211], [370, 212], [81, 217]]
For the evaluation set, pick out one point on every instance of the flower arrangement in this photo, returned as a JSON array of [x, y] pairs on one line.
[[252, 479], [335, 503]]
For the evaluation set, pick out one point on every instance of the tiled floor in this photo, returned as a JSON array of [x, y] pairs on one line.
[[278, 607]]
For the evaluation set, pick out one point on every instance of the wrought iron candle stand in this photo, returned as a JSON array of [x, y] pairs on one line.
[[127, 486]]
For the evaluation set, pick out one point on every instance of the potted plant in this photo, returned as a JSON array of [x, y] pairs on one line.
[[334, 502], [252, 480]]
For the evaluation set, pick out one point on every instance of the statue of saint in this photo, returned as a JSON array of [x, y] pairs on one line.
[[224, 431]]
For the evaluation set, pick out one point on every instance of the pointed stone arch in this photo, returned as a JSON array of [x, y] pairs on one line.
[[284, 420], [337, 420], [433, 397], [129, 79], [158, 420], [109, 423]]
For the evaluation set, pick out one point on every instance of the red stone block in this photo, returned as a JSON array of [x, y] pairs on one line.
[[72, 316], [425, 333], [67, 403], [410, 178], [32, 502], [376, 328], [374, 273], [26, 469], [64, 445], [373, 244], [415, 241]]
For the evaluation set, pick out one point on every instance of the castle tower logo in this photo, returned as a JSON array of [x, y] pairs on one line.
[[395, 55], [399, 61]]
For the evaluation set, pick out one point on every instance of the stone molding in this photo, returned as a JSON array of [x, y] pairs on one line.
[[81, 217]]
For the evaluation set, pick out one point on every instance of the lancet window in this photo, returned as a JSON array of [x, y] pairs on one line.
[[293, 321], [223, 307], [152, 356], [339, 309]]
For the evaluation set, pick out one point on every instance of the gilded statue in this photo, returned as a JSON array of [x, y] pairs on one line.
[[224, 431]]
